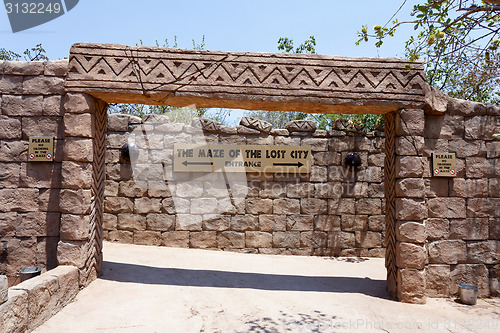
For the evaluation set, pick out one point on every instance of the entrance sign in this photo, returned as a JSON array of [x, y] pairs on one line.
[[443, 165], [41, 149], [242, 158]]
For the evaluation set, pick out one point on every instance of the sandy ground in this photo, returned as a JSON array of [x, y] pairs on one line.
[[157, 289]]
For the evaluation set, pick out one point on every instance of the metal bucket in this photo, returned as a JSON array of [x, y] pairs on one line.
[[29, 272], [467, 293]]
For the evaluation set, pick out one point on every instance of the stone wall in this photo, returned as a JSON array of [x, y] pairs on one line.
[[334, 210], [448, 228], [30, 104]]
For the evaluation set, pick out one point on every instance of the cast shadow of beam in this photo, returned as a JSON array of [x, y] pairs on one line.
[[132, 273]]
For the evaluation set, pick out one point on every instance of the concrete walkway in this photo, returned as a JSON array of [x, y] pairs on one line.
[[153, 289]]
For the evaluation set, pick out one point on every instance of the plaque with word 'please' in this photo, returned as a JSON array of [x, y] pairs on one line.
[[41, 149], [242, 158], [443, 165]]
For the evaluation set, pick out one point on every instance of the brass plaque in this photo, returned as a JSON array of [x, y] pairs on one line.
[[443, 165], [242, 158], [41, 149]]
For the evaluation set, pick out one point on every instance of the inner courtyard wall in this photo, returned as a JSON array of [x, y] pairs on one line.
[[334, 210]]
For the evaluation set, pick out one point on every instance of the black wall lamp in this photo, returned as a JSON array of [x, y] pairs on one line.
[[352, 160], [129, 152]]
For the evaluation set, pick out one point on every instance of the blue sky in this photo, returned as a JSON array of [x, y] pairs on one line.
[[241, 26], [253, 26]]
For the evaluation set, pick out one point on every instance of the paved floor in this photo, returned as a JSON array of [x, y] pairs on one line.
[[153, 289]]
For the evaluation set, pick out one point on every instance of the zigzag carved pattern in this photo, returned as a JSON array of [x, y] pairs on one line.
[[231, 73], [390, 197], [94, 251]]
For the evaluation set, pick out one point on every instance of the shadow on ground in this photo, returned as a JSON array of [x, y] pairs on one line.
[[123, 272]]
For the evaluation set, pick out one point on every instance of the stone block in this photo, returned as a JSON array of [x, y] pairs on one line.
[[376, 223], [188, 222], [286, 206], [370, 174], [23, 68], [14, 312], [354, 222], [9, 175], [357, 189], [445, 127], [411, 232], [118, 140], [494, 228], [216, 222], [203, 239], [79, 103], [110, 188], [49, 200], [409, 166], [409, 255], [410, 209], [147, 205], [318, 174], [328, 190], [44, 85], [258, 239], [300, 190], [132, 188], [410, 122], [8, 223], [483, 252], [189, 189], [4, 289], [313, 206], [300, 222], [147, 238], [78, 125], [368, 239], [109, 221], [72, 253], [480, 207], [301, 126], [272, 190], [412, 286], [11, 127], [175, 239], [259, 206], [37, 224], [410, 187], [447, 252], [131, 222], [52, 106], [327, 222], [121, 236], [316, 144], [453, 208], [260, 125], [116, 205], [27, 106], [326, 158], [469, 229], [80, 150], [56, 68], [493, 187], [118, 122], [40, 175], [244, 223], [367, 206], [494, 273], [158, 189], [313, 239], [13, 151], [478, 167], [160, 222], [75, 201], [474, 274], [76, 175], [437, 228], [272, 222], [286, 239], [175, 205], [438, 280], [230, 240], [437, 187], [409, 145], [493, 149]]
